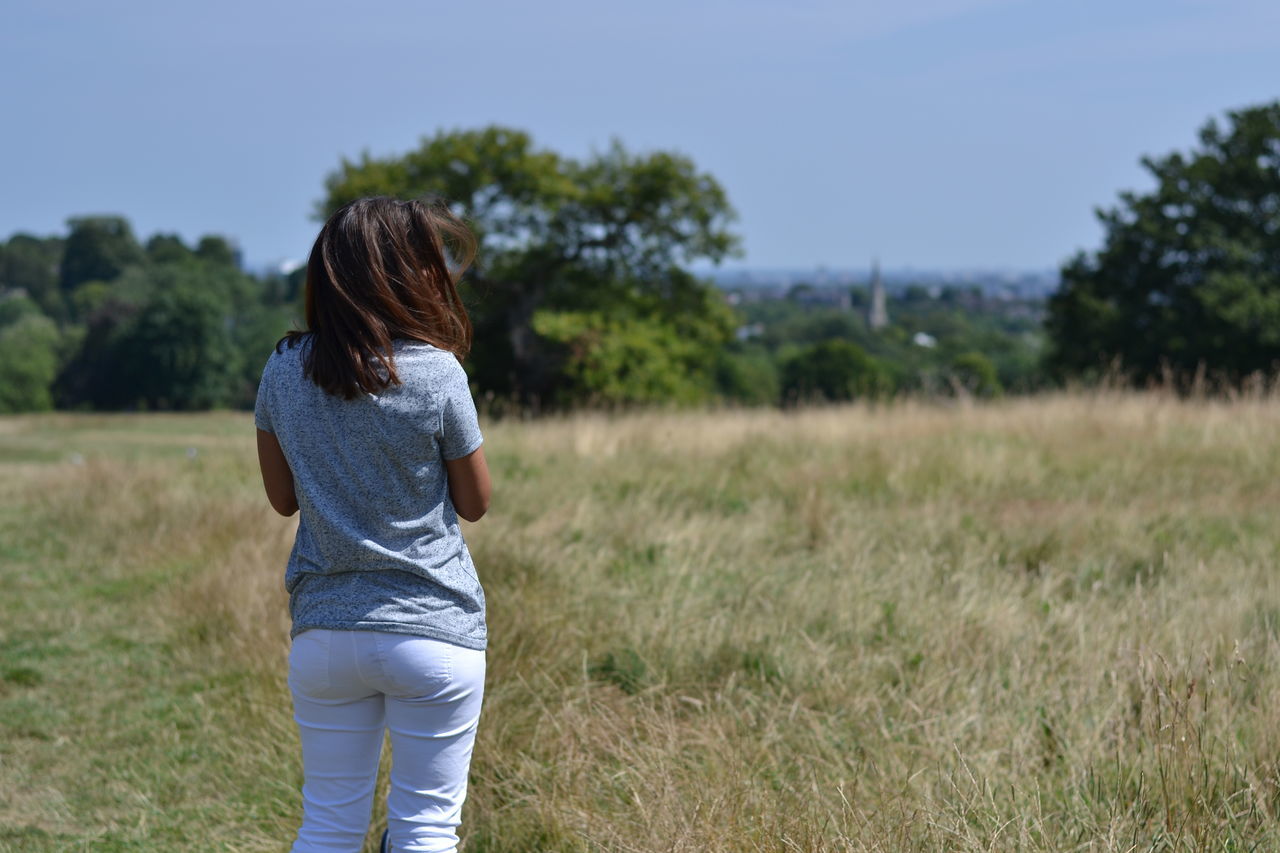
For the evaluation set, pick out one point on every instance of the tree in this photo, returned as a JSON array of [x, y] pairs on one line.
[[178, 351], [974, 372], [28, 359], [14, 306], [167, 249], [834, 370], [1189, 273], [31, 264], [602, 242], [747, 375], [218, 250], [99, 248], [163, 336]]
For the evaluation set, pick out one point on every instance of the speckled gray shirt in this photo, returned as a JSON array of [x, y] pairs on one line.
[[378, 545]]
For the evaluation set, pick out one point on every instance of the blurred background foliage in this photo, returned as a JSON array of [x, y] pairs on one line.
[[582, 293]]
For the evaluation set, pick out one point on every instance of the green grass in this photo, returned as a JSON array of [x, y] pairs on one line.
[[1040, 625], [114, 734]]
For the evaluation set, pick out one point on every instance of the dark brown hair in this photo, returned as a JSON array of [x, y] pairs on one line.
[[382, 270]]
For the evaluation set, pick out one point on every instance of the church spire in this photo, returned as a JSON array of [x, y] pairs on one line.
[[878, 314]]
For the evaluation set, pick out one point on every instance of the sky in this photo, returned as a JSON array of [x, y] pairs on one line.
[[935, 134]]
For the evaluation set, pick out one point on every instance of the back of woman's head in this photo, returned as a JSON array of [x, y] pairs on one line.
[[383, 270]]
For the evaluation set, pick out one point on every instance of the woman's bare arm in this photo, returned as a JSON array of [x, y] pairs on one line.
[[276, 476], [469, 484]]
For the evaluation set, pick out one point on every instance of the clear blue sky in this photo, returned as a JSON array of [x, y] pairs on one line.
[[930, 133]]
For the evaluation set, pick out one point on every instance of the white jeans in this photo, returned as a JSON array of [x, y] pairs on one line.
[[347, 686]]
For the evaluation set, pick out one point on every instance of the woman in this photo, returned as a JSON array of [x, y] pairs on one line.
[[366, 427]]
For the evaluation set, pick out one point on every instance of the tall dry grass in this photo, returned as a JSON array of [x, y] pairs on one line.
[[1045, 624]]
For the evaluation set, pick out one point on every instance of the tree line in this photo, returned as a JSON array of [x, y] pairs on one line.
[[99, 320], [582, 291]]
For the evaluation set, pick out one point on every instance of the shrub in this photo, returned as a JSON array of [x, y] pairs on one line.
[[833, 370]]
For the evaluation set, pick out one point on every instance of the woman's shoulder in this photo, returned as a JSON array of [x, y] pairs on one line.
[[428, 355], [293, 341], [403, 345], [423, 368], [290, 348], [284, 361]]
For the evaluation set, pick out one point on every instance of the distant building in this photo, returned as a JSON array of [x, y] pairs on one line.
[[878, 313], [924, 339], [832, 297]]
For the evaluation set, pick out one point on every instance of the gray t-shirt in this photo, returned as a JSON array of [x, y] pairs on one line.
[[378, 545]]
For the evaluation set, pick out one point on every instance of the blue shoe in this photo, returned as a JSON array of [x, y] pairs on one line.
[[386, 845]]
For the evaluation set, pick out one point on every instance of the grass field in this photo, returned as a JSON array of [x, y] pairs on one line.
[[1038, 625]]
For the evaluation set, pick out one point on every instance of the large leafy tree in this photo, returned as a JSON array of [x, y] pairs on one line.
[[1189, 273], [581, 271]]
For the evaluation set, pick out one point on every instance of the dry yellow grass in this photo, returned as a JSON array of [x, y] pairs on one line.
[[1046, 624]]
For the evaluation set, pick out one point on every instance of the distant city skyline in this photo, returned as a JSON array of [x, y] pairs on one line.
[[937, 135], [1034, 284]]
